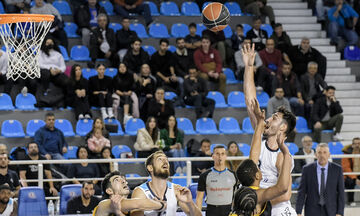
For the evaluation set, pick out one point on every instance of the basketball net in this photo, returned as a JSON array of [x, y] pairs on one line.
[[22, 35]]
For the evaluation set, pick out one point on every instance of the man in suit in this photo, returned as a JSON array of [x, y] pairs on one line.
[[322, 186]]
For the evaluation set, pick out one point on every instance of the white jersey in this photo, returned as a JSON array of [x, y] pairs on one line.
[[170, 198], [267, 165], [9, 208]]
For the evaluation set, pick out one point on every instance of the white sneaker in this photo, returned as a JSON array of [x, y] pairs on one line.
[[87, 116], [81, 116], [127, 118], [184, 170], [337, 137], [353, 204], [24, 91]]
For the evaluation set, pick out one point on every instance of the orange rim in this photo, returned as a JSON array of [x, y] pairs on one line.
[[15, 18]]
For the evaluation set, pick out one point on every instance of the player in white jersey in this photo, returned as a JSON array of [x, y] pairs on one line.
[[282, 121], [8, 206], [157, 164]]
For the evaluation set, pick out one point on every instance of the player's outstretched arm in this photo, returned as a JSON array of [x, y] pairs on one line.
[[259, 129], [184, 198]]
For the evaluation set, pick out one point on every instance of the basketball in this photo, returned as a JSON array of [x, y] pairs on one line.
[[215, 16]]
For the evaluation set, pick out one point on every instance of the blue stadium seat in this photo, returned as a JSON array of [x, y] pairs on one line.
[[64, 53], [185, 125], [352, 53], [228, 32], [71, 153], [212, 146], [132, 175], [84, 126], [139, 29], [200, 28], [133, 125], [70, 29], [179, 181], [246, 28], [179, 30], [158, 30], [108, 7], [111, 72], [230, 76], [12, 128], [229, 125], [263, 99], [206, 126], [34, 125], [65, 126], [170, 95], [25, 102], [301, 125], [32, 202], [293, 148], [236, 99], [67, 192], [190, 9], [172, 48], [327, 131], [149, 49], [269, 30], [88, 72], [246, 126], [153, 8], [115, 26], [115, 121], [169, 9], [6, 102], [244, 148], [218, 98], [80, 53], [336, 147], [63, 7], [315, 145], [117, 150], [2, 10], [233, 8]]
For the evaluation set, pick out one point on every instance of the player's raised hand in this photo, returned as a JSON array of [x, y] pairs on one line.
[[259, 114], [183, 194], [248, 54], [116, 204], [280, 139]]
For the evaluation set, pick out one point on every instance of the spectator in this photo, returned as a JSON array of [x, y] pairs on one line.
[[147, 140], [124, 37], [85, 17], [343, 19], [209, 63], [327, 114], [174, 140], [124, 94], [8, 205], [100, 91], [238, 37], [124, 7], [96, 143], [217, 40], [257, 35], [199, 167], [57, 27], [98, 124], [15, 6], [259, 8], [288, 81], [85, 203], [145, 89], [306, 150], [78, 93], [103, 42], [195, 92], [276, 101], [217, 177], [233, 151], [106, 168], [160, 108], [352, 165], [84, 170], [192, 40], [30, 171], [8, 176], [281, 39], [301, 55], [162, 67], [136, 57], [183, 58]]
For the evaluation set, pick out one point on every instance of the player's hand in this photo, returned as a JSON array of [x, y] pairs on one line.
[[116, 204], [183, 194], [259, 114], [280, 139], [248, 55]]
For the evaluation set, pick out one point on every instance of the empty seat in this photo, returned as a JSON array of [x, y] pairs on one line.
[[170, 95], [169, 9], [301, 125], [185, 125], [315, 145], [228, 32], [230, 76], [107, 6], [263, 99], [206, 126], [149, 49], [212, 146], [34, 125], [80, 53], [115, 122], [179, 181], [2, 10], [115, 26], [67, 192], [153, 8], [352, 53], [64, 53], [65, 126], [139, 29], [111, 72], [246, 28], [336, 147], [179, 30], [32, 202], [172, 48], [200, 28], [120, 151], [218, 98], [12, 128], [25, 102], [236, 99], [246, 126], [293, 148], [133, 125], [71, 152], [6, 102], [269, 30], [244, 148], [84, 126], [88, 72], [234, 8], [70, 29], [63, 7], [229, 125], [190, 9], [158, 30]]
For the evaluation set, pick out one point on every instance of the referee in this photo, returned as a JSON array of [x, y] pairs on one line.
[[219, 184]]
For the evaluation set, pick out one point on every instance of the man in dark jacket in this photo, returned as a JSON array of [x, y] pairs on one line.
[[258, 8], [124, 37], [182, 58], [282, 40], [327, 115], [124, 7], [136, 57], [257, 35]]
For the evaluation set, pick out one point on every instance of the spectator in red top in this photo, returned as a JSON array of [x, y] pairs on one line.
[[208, 61], [124, 7]]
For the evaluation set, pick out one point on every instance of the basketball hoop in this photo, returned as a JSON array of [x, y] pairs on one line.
[[22, 35]]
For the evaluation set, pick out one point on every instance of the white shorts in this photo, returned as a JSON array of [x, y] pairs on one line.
[[283, 211]]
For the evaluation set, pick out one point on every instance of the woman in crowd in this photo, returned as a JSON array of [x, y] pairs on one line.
[[147, 140], [233, 151], [96, 143], [106, 168], [98, 124]]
